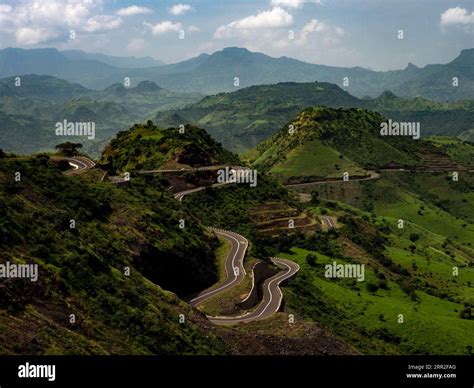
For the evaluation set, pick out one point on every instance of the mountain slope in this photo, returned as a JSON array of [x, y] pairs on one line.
[[245, 117], [242, 119], [30, 111], [163, 148], [104, 270], [125, 62], [325, 142]]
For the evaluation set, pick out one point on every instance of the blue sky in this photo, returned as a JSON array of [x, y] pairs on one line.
[[332, 32]]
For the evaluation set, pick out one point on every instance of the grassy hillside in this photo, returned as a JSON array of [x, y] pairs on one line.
[[242, 119], [401, 277], [82, 270], [148, 147], [325, 142], [458, 149]]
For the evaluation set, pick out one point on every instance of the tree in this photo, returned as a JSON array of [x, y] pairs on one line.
[[414, 237], [466, 313], [2, 154], [311, 259], [68, 148], [315, 197]]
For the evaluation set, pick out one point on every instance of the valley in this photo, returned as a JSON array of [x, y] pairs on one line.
[[274, 219]]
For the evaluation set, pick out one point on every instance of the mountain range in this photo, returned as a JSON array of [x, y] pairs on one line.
[[242, 119], [218, 72], [31, 110]]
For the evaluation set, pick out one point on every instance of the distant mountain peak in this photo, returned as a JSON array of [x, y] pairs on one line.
[[411, 66], [388, 94], [235, 49], [232, 52], [465, 55], [116, 88], [147, 86]]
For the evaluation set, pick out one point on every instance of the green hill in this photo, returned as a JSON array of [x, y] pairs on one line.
[[84, 270], [242, 119], [44, 87], [326, 142], [146, 147]]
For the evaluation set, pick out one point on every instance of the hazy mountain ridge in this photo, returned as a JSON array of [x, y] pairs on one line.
[[209, 74], [32, 109], [242, 119]]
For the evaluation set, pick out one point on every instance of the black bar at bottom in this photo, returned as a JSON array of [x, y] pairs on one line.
[[324, 371]]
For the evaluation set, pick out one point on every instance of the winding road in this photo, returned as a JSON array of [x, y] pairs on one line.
[[328, 220], [234, 261], [272, 296], [78, 163], [235, 273], [234, 266], [372, 175]]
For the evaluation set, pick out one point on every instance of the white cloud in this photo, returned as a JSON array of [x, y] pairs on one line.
[[31, 36], [193, 28], [136, 45], [163, 27], [102, 23], [32, 22], [133, 10], [179, 9], [457, 15], [293, 3], [5, 8], [324, 32], [274, 18]]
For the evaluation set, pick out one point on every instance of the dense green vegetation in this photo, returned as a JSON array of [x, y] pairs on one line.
[[240, 120], [146, 147], [31, 111], [244, 118], [83, 269], [325, 142], [457, 149], [401, 277]]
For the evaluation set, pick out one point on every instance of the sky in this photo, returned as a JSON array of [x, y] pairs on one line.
[[376, 34]]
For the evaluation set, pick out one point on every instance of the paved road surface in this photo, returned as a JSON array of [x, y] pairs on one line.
[[179, 196], [192, 169], [329, 221], [272, 296], [372, 175], [234, 266], [79, 164]]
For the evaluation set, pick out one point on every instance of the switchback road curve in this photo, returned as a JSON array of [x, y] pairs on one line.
[[78, 163], [272, 296], [234, 266], [235, 272]]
